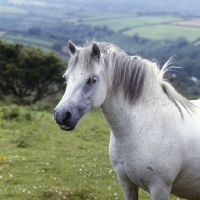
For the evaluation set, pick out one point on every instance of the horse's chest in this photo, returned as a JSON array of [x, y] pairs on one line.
[[130, 168], [132, 173]]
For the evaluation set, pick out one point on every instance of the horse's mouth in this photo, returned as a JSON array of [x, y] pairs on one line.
[[67, 128]]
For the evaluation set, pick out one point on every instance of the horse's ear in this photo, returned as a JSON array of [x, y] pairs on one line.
[[72, 47], [96, 51]]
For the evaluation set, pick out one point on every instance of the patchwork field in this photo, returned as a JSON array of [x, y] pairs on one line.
[[120, 23], [189, 22], [152, 27], [39, 161], [157, 32]]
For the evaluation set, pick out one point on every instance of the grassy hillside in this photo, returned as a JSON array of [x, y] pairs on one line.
[[151, 27], [29, 39], [159, 32], [39, 161]]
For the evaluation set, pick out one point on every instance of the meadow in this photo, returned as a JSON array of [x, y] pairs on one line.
[[28, 39], [151, 27], [159, 32], [124, 22], [40, 161]]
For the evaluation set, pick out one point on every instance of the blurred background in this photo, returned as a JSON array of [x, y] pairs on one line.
[[152, 29], [33, 56]]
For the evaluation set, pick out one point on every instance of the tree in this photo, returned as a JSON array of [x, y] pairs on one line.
[[29, 73]]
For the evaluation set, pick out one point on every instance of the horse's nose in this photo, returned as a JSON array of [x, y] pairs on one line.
[[62, 118], [67, 118]]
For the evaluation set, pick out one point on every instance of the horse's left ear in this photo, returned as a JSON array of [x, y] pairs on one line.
[[96, 51]]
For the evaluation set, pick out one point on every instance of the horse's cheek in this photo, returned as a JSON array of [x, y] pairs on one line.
[[99, 95]]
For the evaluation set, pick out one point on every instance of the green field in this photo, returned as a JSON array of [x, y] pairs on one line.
[[12, 10], [86, 17], [157, 32], [39, 161], [120, 23], [151, 27], [29, 40]]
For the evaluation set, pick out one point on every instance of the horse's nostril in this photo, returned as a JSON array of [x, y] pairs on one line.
[[67, 118]]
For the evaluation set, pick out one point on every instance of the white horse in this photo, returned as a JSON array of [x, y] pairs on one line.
[[155, 132]]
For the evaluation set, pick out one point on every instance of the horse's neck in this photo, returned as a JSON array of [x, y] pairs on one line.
[[121, 115]]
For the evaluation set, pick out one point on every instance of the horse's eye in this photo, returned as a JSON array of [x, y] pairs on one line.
[[92, 80]]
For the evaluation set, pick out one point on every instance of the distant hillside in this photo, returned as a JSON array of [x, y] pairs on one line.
[[137, 6], [153, 29]]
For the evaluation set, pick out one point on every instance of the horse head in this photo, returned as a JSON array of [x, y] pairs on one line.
[[86, 85]]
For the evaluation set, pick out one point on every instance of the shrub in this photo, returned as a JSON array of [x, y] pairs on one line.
[[10, 112]]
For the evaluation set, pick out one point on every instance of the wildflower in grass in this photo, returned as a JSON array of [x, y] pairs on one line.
[[4, 158]]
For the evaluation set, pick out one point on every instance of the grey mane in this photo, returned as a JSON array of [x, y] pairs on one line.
[[128, 74]]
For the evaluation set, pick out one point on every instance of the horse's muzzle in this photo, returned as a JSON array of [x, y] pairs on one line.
[[66, 128], [65, 120]]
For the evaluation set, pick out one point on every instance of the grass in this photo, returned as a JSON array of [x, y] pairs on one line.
[[158, 32], [120, 23], [39, 161]]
